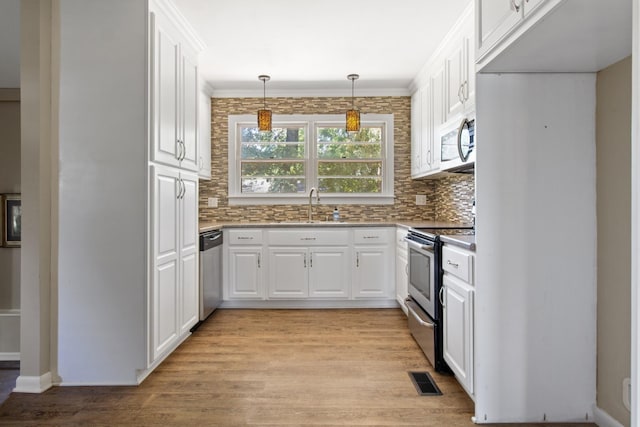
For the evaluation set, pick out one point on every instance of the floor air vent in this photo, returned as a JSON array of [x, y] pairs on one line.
[[425, 385]]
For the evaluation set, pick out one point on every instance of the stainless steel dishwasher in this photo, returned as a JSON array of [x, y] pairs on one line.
[[210, 272]]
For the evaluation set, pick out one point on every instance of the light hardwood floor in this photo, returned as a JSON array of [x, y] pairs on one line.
[[268, 368]]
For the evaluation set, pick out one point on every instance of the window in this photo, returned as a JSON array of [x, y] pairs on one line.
[[305, 151]]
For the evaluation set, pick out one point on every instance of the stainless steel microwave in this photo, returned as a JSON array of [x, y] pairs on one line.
[[458, 145]]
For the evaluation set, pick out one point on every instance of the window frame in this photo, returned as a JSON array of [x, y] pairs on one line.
[[311, 122]]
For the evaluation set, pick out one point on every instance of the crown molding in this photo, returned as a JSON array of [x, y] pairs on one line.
[[308, 93]]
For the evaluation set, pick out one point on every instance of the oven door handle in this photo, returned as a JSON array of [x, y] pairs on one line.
[[409, 304], [416, 245]]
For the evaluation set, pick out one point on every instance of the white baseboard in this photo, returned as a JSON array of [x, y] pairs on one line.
[[25, 384], [7, 357], [602, 419]]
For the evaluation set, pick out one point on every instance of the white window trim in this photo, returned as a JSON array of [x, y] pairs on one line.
[[310, 121]]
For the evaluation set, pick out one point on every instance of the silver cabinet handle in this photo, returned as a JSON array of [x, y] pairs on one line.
[[371, 237], [305, 260], [179, 153], [311, 260], [184, 150], [409, 304], [406, 270], [357, 259], [183, 190], [465, 91], [516, 7], [178, 188], [441, 297], [258, 260], [453, 264], [429, 157], [244, 238], [307, 238], [460, 93]]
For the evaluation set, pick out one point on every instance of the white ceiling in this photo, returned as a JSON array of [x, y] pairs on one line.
[[311, 45]]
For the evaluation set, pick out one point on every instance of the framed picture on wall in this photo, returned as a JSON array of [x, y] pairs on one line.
[[12, 220]]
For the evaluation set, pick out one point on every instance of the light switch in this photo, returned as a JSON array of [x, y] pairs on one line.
[[421, 199], [212, 202]]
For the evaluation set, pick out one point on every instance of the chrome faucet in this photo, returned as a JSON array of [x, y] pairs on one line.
[[310, 199]]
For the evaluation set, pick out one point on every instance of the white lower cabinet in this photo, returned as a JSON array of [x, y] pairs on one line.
[[245, 272], [288, 273], [402, 268], [174, 290], [374, 264], [329, 272], [458, 296], [309, 264], [308, 272]]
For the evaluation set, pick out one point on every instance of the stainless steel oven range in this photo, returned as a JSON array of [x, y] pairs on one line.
[[424, 304]]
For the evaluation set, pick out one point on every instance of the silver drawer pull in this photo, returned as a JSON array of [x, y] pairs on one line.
[[245, 238], [371, 237], [453, 264], [307, 238]]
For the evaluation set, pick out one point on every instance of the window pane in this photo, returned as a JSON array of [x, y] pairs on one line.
[[274, 169], [350, 185], [272, 151], [282, 134], [349, 151], [366, 134], [273, 185], [349, 169]]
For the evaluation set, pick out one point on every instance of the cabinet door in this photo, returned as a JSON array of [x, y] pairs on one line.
[[372, 272], [165, 50], [458, 330], [204, 136], [469, 68], [166, 249], [288, 273], [245, 273], [329, 273], [189, 288], [426, 131], [454, 80], [189, 110], [495, 20], [402, 278], [438, 109], [416, 132]]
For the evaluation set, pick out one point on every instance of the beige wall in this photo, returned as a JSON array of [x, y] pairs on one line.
[[450, 197], [9, 183], [613, 181]]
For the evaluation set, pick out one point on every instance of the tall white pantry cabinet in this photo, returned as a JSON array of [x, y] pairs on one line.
[[128, 191]]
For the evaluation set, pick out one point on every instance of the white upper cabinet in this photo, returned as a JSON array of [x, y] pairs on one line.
[[204, 135], [494, 19], [445, 92], [174, 93]]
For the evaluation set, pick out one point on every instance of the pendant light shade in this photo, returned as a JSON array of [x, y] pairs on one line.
[[353, 115], [264, 115]]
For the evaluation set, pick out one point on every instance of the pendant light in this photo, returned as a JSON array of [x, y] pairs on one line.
[[264, 115], [353, 115]]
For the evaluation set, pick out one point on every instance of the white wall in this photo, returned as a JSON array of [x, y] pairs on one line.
[[613, 160], [10, 43], [536, 285], [10, 257], [103, 198]]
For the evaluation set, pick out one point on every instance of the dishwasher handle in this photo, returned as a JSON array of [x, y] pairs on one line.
[[210, 239]]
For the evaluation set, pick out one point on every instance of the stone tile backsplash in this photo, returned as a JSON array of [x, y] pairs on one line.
[[448, 199]]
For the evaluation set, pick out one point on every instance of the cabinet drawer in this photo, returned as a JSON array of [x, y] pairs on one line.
[[458, 263], [371, 236], [244, 237], [308, 237]]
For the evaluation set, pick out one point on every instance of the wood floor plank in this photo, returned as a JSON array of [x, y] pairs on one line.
[[268, 368]]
